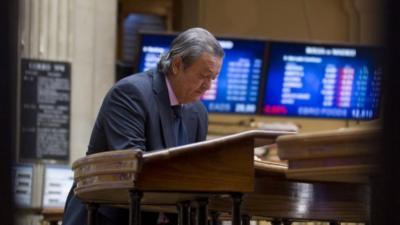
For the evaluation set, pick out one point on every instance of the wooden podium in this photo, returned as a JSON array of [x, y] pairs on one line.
[[218, 175], [342, 155], [170, 176]]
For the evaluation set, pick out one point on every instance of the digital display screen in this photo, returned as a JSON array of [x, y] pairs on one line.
[[236, 89], [152, 46], [324, 81]]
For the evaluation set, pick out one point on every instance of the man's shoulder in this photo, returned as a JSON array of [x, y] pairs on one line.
[[141, 82], [137, 79]]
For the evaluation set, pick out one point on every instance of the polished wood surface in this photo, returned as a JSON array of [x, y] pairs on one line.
[[275, 196], [219, 168], [99, 176], [221, 165], [343, 155], [214, 170], [218, 165]]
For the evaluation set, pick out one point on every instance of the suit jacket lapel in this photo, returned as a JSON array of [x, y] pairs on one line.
[[190, 116], [164, 106]]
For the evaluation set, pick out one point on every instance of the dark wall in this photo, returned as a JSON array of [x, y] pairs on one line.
[[386, 194], [8, 41]]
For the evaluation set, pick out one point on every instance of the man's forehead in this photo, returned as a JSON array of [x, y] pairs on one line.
[[212, 60]]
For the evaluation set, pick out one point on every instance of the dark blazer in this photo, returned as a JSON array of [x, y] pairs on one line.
[[136, 113]]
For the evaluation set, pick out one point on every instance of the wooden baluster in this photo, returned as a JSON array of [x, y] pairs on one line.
[[134, 207], [245, 220], [202, 212], [184, 213], [193, 213], [236, 202], [276, 222]]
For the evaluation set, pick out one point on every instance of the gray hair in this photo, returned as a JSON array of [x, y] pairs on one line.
[[189, 45]]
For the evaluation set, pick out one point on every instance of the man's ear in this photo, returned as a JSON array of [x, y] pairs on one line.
[[176, 64]]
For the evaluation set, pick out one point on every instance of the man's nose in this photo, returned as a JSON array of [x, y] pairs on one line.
[[207, 84]]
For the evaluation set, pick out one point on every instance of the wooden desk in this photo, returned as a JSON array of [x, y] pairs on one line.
[[343, 155], [343, 159], [212, 176], [164, 178], [277, 198]]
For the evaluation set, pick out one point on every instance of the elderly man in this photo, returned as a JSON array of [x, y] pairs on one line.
[[154, 110]]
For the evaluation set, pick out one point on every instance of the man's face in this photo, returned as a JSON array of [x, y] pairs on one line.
[[190, 83]]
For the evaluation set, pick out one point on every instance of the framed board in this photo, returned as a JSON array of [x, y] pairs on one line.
[[44, 110]]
